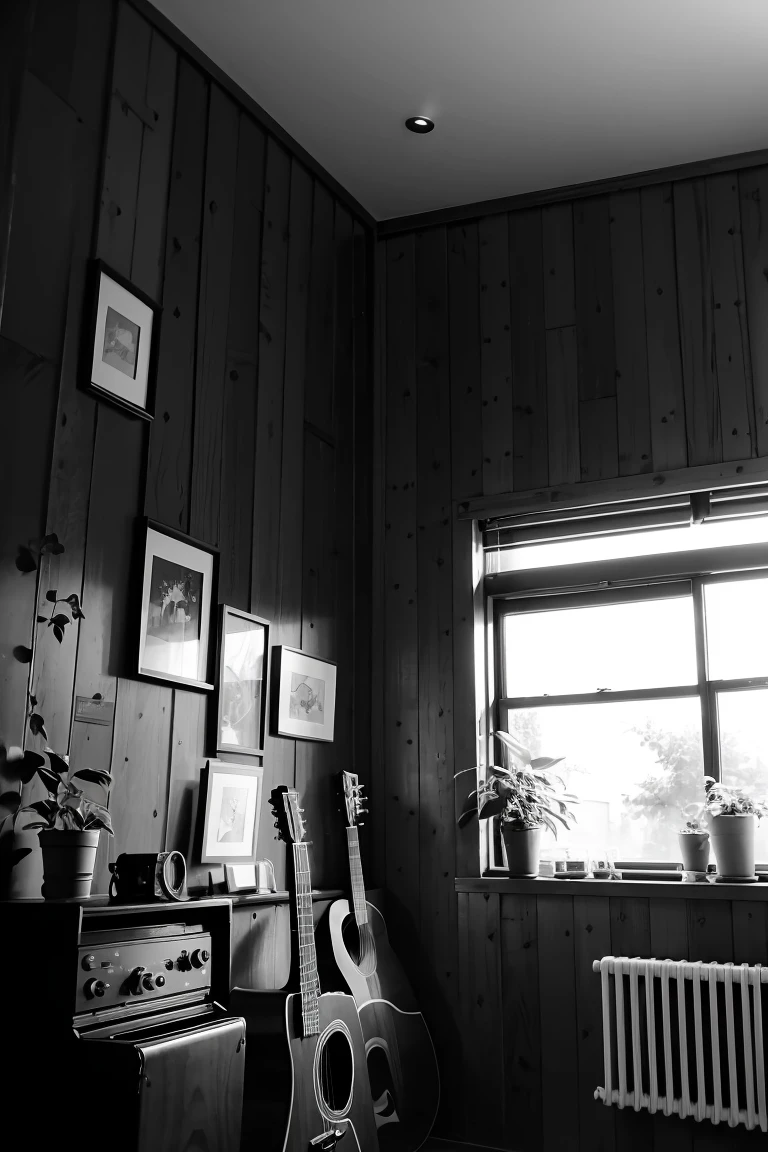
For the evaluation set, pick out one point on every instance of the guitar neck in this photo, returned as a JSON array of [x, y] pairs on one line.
[[309, 984], [356, 875]]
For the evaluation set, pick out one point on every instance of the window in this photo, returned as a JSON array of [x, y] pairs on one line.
[[644, 684]]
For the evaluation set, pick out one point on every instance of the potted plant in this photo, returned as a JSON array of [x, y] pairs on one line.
[[527, 797], [693, 839], [731, 821], [68, 820]]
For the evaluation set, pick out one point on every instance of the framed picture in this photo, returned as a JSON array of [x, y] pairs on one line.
[[241, 687], [232, 803], [178, 589], [304, 695], [121, 348]]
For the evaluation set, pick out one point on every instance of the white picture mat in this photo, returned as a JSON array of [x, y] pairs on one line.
[[291, 662], [218, 782], [178, 552], [112, 295]]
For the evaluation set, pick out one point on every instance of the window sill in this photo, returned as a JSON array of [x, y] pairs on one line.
[[674, 889]]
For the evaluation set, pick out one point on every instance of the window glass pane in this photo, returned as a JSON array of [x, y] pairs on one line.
[[737, 628], [645, 644], [634, 766], [744, 750]]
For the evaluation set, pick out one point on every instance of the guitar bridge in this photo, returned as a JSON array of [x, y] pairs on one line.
[[327, 1141]]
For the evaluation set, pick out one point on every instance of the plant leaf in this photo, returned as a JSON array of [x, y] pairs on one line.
[[468, 810], [544, 762], [493, 806], [25, 561], [514, 746], [42, 619], [52, 595], [45, 808], [95, 775], [60, 620], [58, 633], [37, 725], [50, 779], [501, 773], [22, 653], [58, 763]]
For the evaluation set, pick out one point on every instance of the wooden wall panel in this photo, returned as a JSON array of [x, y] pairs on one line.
[[557, 1016], [753, 186], [464, 354], [520, 1008], [529, 363], [496, 355], [632, 412], [193, 201], [480, 990]]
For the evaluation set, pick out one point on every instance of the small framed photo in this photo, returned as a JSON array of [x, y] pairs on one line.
[[304, 690], [241, 687], [121, 348], [178, 590], [232, 804]]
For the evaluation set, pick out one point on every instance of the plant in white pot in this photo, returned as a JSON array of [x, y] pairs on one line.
[[527, 797], [693, 839], [69, 822], [731, 817]]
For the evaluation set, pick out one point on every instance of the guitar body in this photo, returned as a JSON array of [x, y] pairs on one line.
[[297, 1088], [402, 1068]]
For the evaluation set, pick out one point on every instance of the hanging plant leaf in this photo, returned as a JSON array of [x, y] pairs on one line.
[[28, 765], [58, 633], [468, 810], [22, 654], [37, 726], [51, 595], [95, 775], [58, 763], [60, 620], [25, 561], [50, 543], [32, 699], [42, 619], [544, 762], [50, 779]]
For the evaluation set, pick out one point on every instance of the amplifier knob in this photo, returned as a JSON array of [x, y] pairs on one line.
[[200, 956], [95, 988], [159, 981], [136, 981], [148, 981]]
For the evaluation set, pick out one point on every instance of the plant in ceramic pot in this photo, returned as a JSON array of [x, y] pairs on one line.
[[693, 839], [731, 817], [69, 822], [527, 797]]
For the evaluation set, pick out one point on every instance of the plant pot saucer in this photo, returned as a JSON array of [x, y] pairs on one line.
[[736, 879]]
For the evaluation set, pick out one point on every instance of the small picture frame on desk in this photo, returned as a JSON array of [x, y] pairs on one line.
[[120, 345]]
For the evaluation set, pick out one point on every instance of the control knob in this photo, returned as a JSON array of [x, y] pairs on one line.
[[95, 988], [148, 981], [200, 956], [136, 980]]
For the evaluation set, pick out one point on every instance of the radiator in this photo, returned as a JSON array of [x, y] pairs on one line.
[[689, 1042]]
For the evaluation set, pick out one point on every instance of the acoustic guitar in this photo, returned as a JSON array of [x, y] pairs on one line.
[[402, 1068], [306, 1087]]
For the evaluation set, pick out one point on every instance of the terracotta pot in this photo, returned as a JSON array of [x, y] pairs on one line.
[[694, 849], [522, 848], [733, 842], [68, 860]]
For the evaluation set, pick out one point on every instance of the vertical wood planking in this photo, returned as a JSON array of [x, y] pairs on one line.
[[668, 415], [480, 988], [522, 1038], [433, 496], [594, 298], [464, 352], [558, 257], [318, 399], [152, 192], [734, 370], [598, 446], [213, 309], [529, 365], [239, 384], [495, 355], [16, 19], [710, 931], [592, 941], [563, 405], [170, 447], [632, 399], [750, 932], [188, 735], [401, 651], [269, 417], [697, 327], [557, 1013], [122, 163], [753, 187]]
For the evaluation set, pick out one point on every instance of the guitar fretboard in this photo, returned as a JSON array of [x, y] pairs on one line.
[[356, 874], [309, 983]]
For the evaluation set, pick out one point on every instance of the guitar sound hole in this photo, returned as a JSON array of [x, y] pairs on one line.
[[360, 945], [336, 1073], [351, 938]]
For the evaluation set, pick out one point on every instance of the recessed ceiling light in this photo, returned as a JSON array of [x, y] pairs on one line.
[[419, 124]]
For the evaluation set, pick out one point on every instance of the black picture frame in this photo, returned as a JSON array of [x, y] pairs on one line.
[[317, 724], [153, 621], [96, 270], [224, 671]]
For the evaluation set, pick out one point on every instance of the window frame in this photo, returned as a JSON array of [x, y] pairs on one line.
[[568, 590]]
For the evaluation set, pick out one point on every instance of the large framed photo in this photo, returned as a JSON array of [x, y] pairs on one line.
[[121, 349], [230, 797], [241, 688], [304, 695], [178, 590]]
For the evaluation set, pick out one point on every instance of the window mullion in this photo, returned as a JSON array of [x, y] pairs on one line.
[[709, 726]]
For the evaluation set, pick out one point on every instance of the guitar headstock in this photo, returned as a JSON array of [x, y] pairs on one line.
[[354, 801], [288, 820]]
